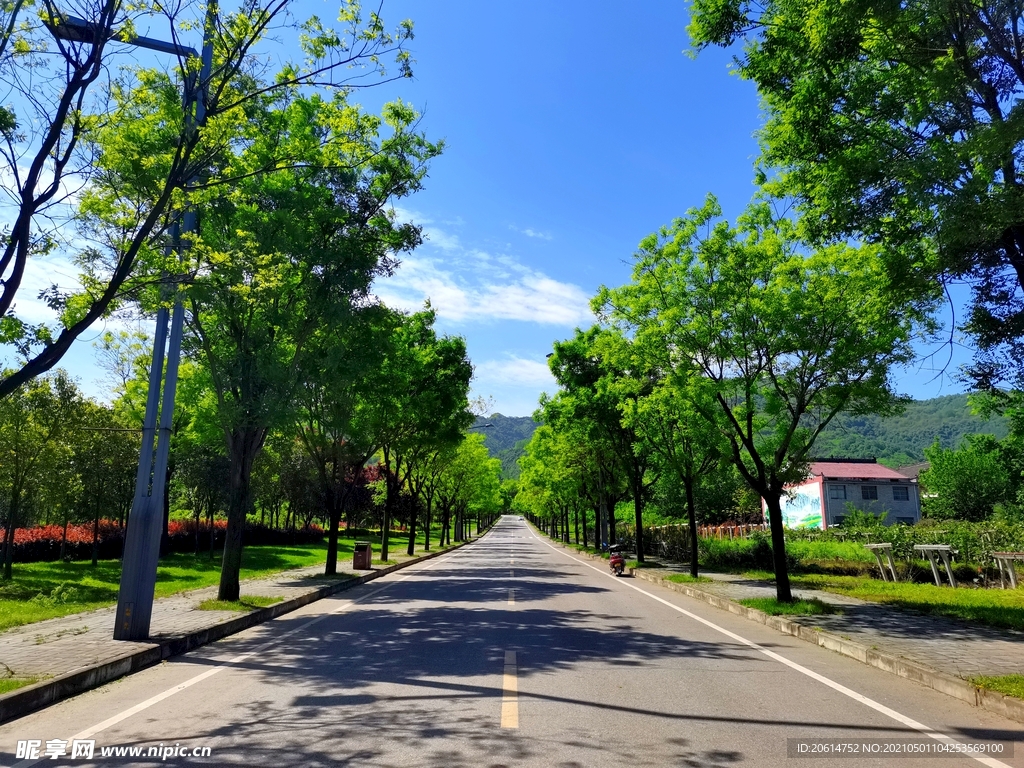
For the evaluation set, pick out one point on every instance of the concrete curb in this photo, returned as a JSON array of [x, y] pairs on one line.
[[46, 692], [992, 701]]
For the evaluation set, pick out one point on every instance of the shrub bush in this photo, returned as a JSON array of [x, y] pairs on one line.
[[42, 543]]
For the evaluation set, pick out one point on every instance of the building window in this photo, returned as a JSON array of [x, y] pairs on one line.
[[905, 520], [838, 519], [869, 492], [837, 491], [900, 493]]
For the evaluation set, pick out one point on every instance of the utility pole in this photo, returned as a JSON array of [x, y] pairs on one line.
[[142, 538], [145, 523]]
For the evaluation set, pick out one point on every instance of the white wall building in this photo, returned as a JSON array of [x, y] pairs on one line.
[[822, 500]]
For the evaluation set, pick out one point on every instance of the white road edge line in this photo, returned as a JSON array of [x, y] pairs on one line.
[[898, 717], [111, 721]]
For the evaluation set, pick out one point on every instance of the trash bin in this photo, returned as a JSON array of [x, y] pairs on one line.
[[362, 554]]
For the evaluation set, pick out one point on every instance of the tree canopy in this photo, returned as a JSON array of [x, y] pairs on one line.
[[900, 124]]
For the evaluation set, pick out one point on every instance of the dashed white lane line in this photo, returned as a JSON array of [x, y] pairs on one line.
[[868, 702], [511, 597], [140, 707], [510, 692]]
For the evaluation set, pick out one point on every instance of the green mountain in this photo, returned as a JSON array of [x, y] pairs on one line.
[[902, 439], [505, 438], [893, 440]]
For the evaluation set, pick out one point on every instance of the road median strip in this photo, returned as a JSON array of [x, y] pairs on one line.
[[30, 698]]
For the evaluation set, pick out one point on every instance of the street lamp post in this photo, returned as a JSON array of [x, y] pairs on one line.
[[142, 538]]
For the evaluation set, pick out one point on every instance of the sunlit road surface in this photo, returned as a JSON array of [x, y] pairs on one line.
[[512, 652]]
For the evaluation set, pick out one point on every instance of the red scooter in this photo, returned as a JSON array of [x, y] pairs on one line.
[[616, 560]]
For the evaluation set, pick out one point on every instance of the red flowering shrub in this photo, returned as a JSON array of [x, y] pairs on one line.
[[42, 543]]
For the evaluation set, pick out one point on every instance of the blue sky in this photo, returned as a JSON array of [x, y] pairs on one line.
[[573, 130]]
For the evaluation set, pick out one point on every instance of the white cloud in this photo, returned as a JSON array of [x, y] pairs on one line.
[[467, 284], [536, 233], [474, 288], [514, 371]]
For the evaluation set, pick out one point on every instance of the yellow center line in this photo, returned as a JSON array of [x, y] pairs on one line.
[[510, 693], [511, 597]]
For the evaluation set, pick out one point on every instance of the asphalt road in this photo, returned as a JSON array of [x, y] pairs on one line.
[[511, 652]]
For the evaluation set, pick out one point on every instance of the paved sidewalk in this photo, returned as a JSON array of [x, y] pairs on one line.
[[56, 647], [957, 648]]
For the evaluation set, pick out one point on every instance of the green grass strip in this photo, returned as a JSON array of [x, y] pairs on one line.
[[1011, 685], [12, 684], [685, 578], [48, 590], [994, 607], [773, 607], [250, 603]]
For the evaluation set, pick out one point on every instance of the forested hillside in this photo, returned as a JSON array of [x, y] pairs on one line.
[[894, 440], [902, 439], [505, 439]]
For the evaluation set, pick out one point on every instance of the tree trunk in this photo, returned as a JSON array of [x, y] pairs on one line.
[[782, 589], [584, 527], [199, 515], [213, 534], [426, 525], [165, 535], [691, 514], [96, 539], [12, 518], [411, 549], [334, 512], [64, 539], [638, 514], [389, 502], [243, 448]]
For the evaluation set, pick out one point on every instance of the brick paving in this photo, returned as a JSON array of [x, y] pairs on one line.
[[58, 646], [946, 645]]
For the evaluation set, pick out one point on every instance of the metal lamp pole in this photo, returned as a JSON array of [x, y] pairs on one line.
[[142, 538]]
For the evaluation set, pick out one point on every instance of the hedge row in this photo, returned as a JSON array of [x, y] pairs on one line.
[[974, 541], [43, 543]]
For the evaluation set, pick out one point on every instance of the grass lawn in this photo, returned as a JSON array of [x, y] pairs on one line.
[[42, 591], [644, 564], [994, 607], [12, 684], [685, 578], [250, 603], [773, 607], [1011, 685]]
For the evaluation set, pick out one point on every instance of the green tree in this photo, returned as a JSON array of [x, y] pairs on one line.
[[469, 483], [899, 123], [34, 420], [76, 121], [285, 254], [967, 483], [775, 343], [339, 377], [599, 374], [420, 406], [104, 454], [690, 446]]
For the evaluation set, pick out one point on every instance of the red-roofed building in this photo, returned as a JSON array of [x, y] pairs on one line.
[[834, 485]]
